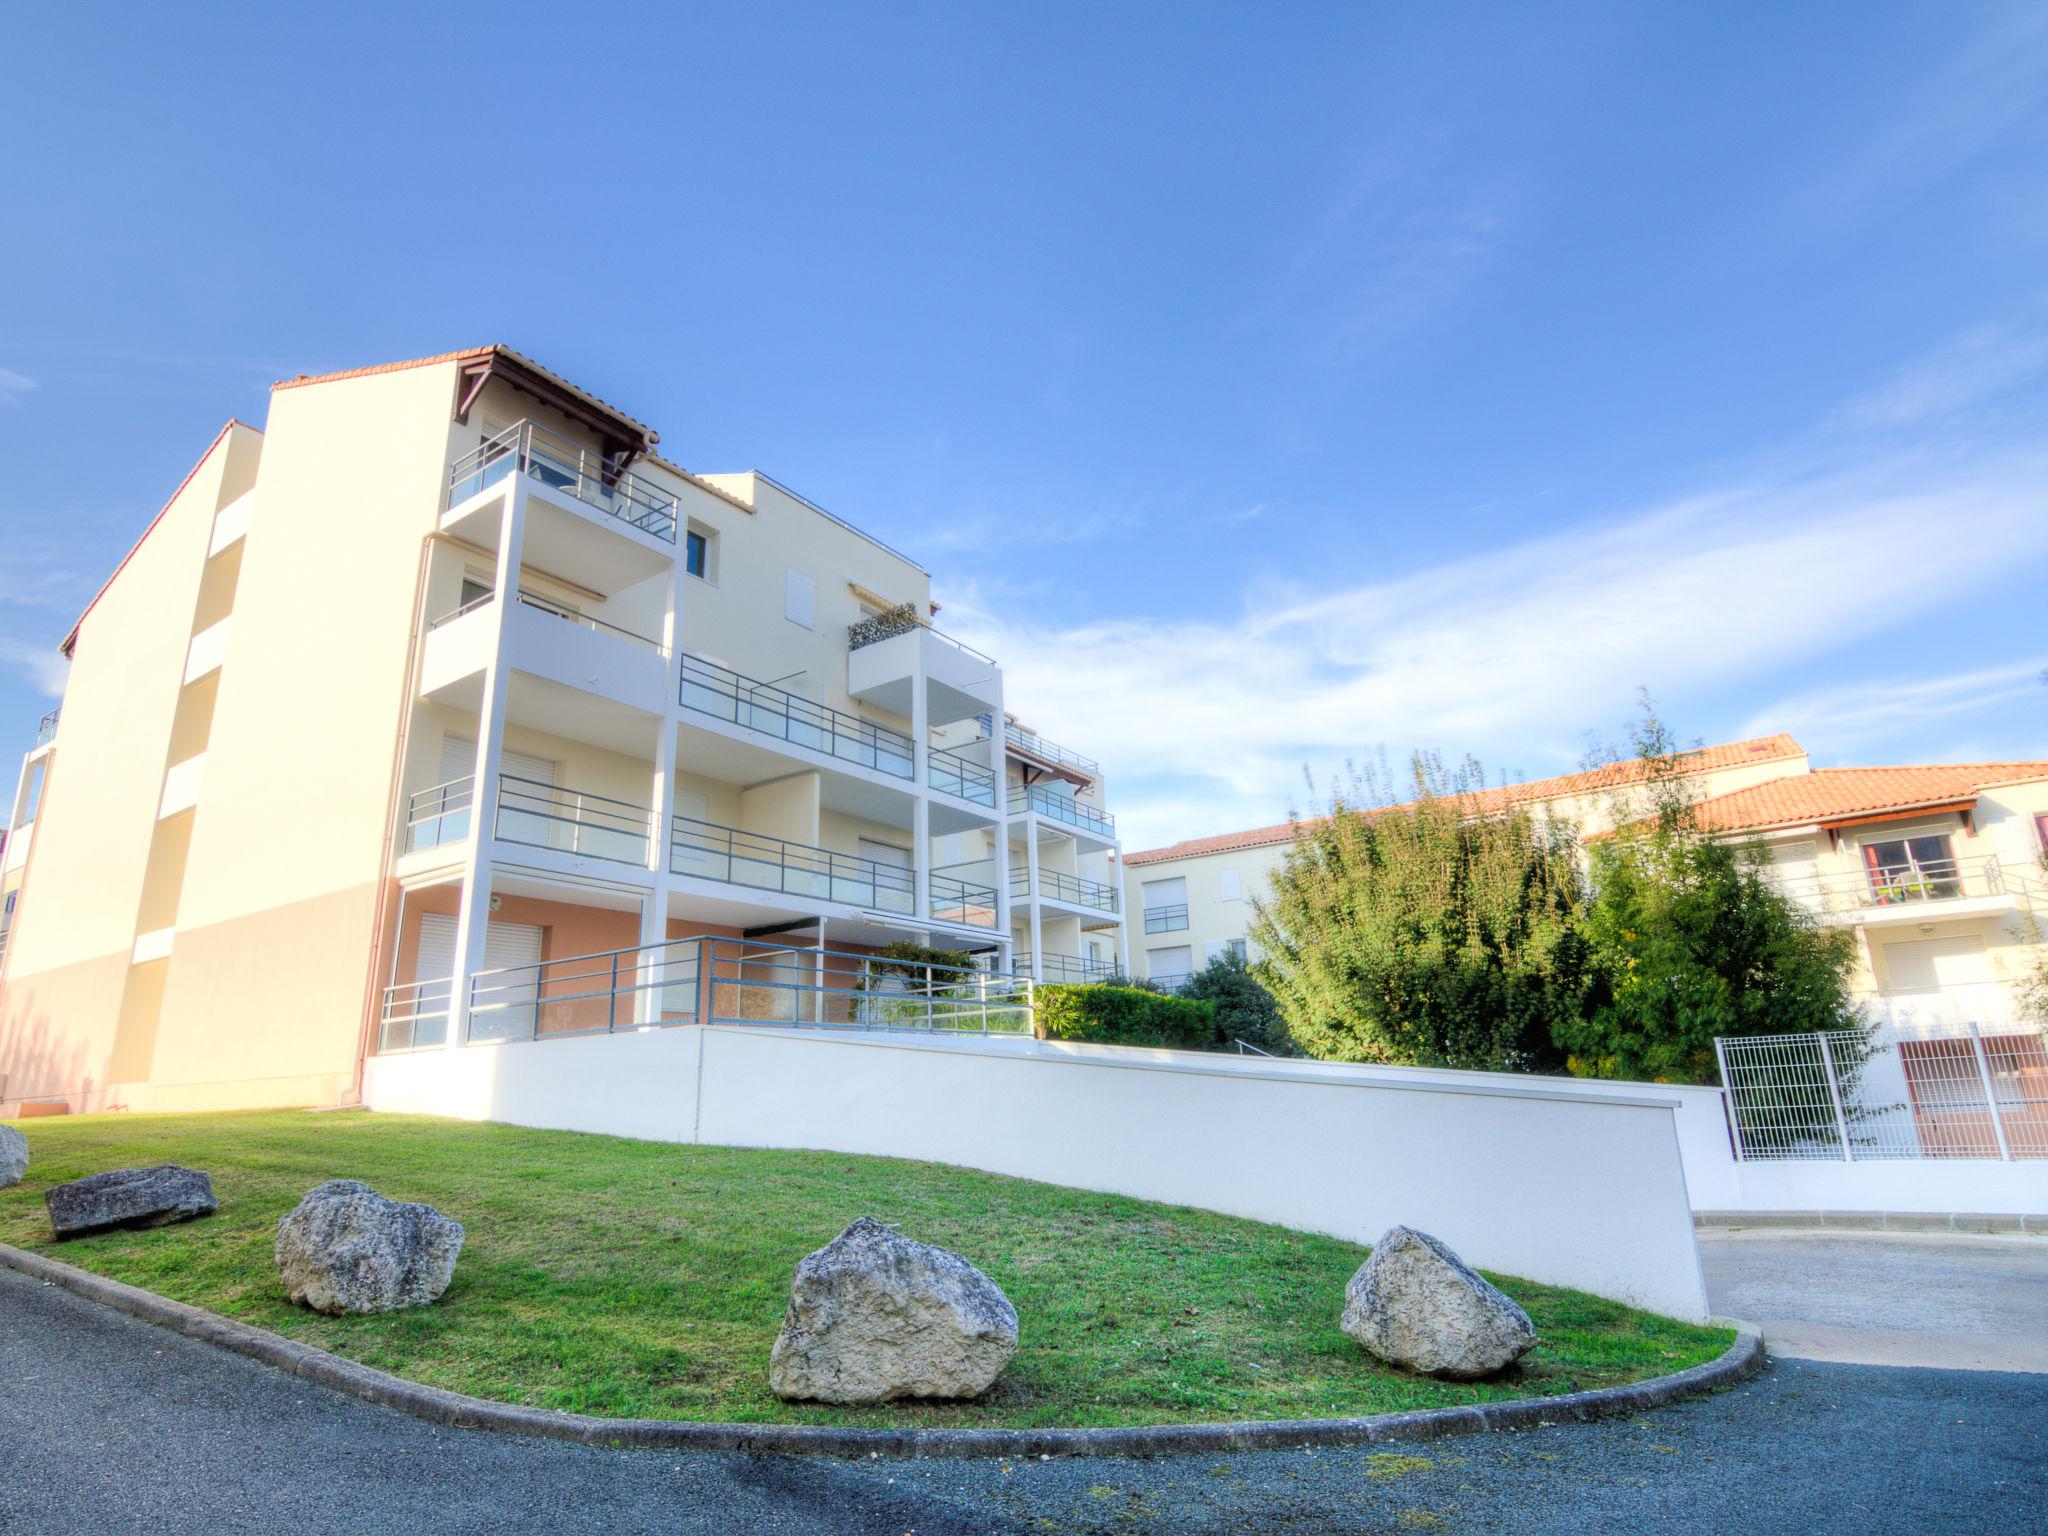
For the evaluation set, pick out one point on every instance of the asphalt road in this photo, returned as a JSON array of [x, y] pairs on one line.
[[1887, 1298], [107, 1424]]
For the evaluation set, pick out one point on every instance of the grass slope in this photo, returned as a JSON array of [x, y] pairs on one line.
[[640, 1279]]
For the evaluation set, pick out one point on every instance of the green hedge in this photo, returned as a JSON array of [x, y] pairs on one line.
[[1125, 1016]]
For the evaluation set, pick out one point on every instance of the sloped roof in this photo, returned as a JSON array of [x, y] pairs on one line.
[[1729, 754], [1847, 794]]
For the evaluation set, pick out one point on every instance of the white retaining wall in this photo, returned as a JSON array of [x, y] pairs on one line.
[[1557, 1181]]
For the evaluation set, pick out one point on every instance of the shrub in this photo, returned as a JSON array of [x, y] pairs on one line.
[[1244, 1010], [1124, 1016]]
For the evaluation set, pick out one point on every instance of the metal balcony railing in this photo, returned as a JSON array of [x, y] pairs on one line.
[[707, 851], [962, 901], [1898, 884], [1071, 889], [46, 728], [901, 621], [439, 815], [542, 815], [528, 448], [953, 774], [1073, 969], [1049, 751], [556, 610], [727, 695], [707, 980], [1166, 919], [1043, 802]]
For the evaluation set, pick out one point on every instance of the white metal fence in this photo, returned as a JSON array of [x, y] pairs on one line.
[[1888, 1094]]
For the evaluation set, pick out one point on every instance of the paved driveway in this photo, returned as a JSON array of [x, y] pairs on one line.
[[1887, 1298], [107, 1424]]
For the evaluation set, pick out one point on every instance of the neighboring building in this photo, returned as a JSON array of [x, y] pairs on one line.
[[444, 709], [1936, 868], [1191, 902]]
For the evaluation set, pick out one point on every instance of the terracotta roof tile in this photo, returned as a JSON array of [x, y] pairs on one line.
[[1842, 794], [466, 355], [1730, 754]]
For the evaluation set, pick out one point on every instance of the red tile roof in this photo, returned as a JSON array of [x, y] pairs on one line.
[[1849, 794], [1731, 754], [471, 355]]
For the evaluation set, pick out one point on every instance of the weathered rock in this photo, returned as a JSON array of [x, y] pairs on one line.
[[13, 1156], [874, 1317], [1414, 1303], [345, 1248], [129, 1197]]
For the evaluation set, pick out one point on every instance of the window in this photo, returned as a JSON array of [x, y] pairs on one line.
[[475, 589], [697, 553], [1229, 887], [1911, 869], [2041, 831], [1216, 949], [1172, 966], [1166, 905], [797, 593]]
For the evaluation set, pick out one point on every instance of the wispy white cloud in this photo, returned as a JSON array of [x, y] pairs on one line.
[[1198, 722], [14, 385], [43, 576], [1978, 365], [38, 664], [1849, 717], [990, 536], [1238, 518]]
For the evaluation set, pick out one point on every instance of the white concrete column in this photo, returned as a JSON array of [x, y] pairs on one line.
[[473, 916], [921, 806], [1031, 895], [999, 765], [1123, 916]]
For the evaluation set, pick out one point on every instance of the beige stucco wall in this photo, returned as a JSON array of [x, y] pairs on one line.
[[68, 956]]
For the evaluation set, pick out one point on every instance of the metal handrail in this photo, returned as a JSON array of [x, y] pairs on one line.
[[955, 774], [1069, 968], [731, 856], [873, 631], [543, 815], [703, 979], [439, 815], [1064, 808], [1916, 880], [962, 901], [1166, 919], [46, 728], [1071, 889], [526, 447], [725, 694], [483, 600], [573, 616], [1038, 746]]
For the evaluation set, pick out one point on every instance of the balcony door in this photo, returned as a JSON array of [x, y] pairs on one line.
[[504, 1002], [1911, 869]]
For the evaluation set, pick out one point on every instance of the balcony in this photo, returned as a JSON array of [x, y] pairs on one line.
[[726, 695], [527, 448], [547, 640], [705, 980], [954, 774], [1071, 889], [46, 728], [1039, 801], [704, 850], [1908, 891], [962, 901], [1171, 919], [1075, 970], [1031, 744], [884, 654], [535, 815]]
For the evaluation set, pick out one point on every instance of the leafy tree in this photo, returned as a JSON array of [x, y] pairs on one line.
[[1426, 933], [1690, 938], [1244, 1010]]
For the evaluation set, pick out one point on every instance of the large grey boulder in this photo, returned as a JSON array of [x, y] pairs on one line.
[[1414, 1303], [129, 1197], [874, 1317], [345, 1248], [13, 1156]]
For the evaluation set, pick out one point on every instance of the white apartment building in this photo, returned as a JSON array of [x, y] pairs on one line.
[[443, 709], [1937, 869]]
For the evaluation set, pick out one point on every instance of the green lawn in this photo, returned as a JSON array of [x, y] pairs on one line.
[[640, 1279]]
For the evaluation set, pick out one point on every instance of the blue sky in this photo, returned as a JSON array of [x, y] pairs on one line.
[[1267, 386]]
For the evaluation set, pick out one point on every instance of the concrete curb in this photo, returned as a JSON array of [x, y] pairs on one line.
[[1879, 1221], [457, 1411]]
